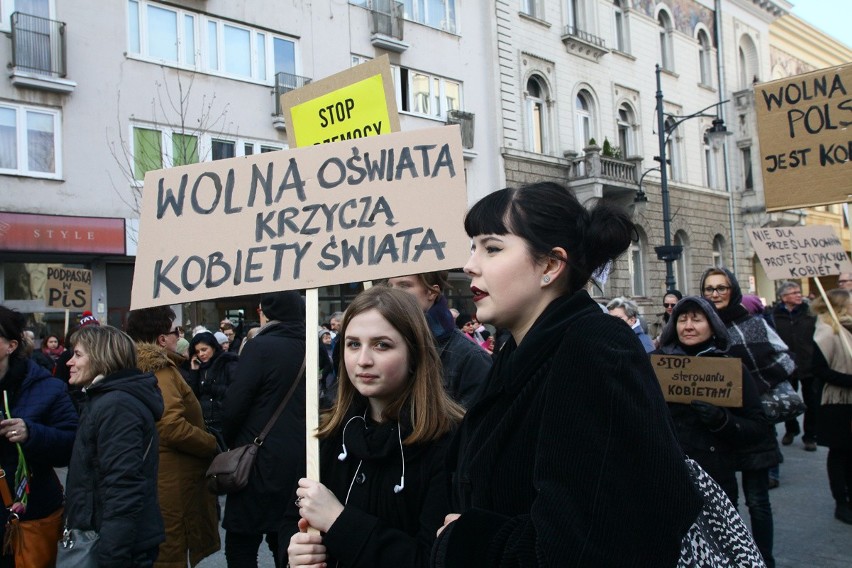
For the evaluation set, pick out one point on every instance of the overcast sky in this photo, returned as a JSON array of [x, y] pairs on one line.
[[834, 17]]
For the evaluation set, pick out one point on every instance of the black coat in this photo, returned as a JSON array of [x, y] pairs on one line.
[[466, 366], [833, 426], [42, 402], [269, 363], [210, 384], [112, 478], [796, 329], [378, 527], [570, 458]]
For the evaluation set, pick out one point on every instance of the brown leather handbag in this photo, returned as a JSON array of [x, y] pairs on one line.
[[229, 471]]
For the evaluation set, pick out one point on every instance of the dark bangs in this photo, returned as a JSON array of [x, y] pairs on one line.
[[488, 215]]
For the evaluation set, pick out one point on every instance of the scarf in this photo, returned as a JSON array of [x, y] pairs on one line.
[[838, 358], [53, 353]]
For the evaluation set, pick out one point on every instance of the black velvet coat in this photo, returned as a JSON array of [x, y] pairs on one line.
[[570, 458], [269, 363]]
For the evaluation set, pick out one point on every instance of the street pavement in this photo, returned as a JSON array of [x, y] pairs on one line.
[[806, 533]]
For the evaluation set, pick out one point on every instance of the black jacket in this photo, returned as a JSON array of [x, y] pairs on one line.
[[716, 450], [796, 329], [42, 402], [112, 478], [269, 363], [570, 458], [378, 527], [466, 366], [210, 384]]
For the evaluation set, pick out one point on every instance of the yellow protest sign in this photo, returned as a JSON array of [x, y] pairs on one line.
[[355, 103], [717, 380]]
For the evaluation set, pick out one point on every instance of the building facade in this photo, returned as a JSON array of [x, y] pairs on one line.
[[99, 93], [578, 92]]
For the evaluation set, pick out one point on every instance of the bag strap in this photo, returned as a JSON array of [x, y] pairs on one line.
[[262, 436], [5, 493]]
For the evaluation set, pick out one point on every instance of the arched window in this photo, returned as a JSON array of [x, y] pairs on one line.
[[584, 113], [747, 62], [636, 263], [620, 27], [705, 61], [711, 172], [673, 150], [536, 114], [626, 130], [718, 251], [664, 23], [682, 265]]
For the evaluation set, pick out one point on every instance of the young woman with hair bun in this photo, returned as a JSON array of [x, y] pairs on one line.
[[569, 457]]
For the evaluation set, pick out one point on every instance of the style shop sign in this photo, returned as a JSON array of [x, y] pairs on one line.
[[345, 212]]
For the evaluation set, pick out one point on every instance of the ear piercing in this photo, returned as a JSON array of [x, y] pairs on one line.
[[546, 279]]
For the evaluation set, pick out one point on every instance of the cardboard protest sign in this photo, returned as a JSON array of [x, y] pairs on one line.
[[354, 103], [805, 144], [799, 252], [68, 288], [330, 214], [717, 380]]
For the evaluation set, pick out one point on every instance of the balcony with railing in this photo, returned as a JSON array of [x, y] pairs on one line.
[[39, 54], [583, 43], [284, 83], [386, 25], [603, 176]]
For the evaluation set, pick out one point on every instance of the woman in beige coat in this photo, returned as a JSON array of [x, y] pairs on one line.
[[186, 448]]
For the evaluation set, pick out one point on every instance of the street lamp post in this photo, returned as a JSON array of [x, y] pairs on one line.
[[669, 253]]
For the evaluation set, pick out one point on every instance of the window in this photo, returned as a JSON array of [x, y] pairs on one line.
[[626, 122], [636, 264], [40, 8], [532, 8], [673, 150], [439, 14], [29, 141], [681, 267], [705, 61], [584, 115], [711, 176], [664, 23], [157, 147], [576, 16], [536, 110], [620, 24], [188, 39], [425, 94], [748, 180], [747, 62], [718, 251]]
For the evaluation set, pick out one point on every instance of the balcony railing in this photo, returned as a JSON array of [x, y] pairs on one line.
[[594, 165], [574, 31], [38, 45], [387, 18], [284, 83]]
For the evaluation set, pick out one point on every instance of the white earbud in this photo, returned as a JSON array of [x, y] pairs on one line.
[[401, 486], [344, 454]]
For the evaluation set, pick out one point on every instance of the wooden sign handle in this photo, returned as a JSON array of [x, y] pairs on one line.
[[311, 387]]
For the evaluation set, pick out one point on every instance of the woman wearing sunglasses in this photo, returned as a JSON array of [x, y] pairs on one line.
[[768, 360]]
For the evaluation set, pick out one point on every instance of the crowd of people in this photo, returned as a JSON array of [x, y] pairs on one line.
[[446, 439]]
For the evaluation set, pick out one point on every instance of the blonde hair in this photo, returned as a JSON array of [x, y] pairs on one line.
[[839, 299], [431, 410], [109, 349]]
